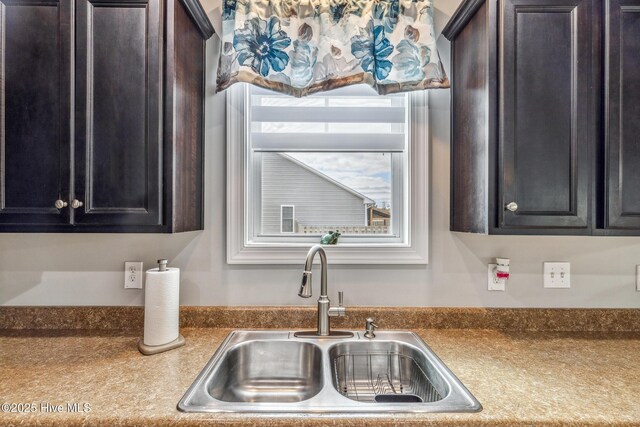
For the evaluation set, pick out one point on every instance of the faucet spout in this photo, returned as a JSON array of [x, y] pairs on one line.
[[305, 286]]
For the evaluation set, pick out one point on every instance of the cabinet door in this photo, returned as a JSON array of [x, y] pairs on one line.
[[546, 114], [35, 93], [622, 113], [118, 89]]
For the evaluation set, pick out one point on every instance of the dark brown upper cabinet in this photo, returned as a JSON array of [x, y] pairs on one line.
[[545, 123], [35, 112], [101, 122], [542, 140], [622, 117]]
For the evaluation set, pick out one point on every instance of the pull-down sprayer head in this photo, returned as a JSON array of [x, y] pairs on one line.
[[305, 285]]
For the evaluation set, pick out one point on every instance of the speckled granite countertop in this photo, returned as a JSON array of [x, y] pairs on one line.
[[521, 378]]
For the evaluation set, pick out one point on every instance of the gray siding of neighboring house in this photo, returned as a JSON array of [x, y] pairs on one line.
[[317, 201]]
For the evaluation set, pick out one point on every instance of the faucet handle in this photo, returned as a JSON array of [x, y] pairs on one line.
[[340, 310]]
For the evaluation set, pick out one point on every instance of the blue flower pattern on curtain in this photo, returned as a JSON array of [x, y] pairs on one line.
[[305, 46], [260, 45], [372, 48]]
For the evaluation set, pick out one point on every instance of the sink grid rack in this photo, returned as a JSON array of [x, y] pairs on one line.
[[383, 377]]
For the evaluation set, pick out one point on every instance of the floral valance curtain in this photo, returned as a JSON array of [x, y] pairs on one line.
[[305, 46]]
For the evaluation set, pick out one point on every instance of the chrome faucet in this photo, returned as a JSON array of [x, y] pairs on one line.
[[325, 311]]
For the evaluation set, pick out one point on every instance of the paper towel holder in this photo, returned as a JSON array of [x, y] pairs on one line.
[[148, 350]]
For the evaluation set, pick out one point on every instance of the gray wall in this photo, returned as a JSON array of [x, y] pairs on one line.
[[318, 202], [56, 269]]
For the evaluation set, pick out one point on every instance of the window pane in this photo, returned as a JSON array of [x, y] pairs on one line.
[[350, 192], [287, 212], [334, 158], [287, 226]]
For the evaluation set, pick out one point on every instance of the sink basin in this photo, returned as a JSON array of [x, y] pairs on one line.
[[268, 371], [274, 371], [385, 372]]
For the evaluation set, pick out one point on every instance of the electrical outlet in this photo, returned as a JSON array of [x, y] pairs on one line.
[[557, 275], [133, 275], [494, 284], [638, 278]]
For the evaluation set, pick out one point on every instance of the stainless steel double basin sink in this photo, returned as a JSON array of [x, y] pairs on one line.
[[272, 371]]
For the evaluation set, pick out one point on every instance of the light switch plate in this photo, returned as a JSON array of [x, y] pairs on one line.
[[638, 278], [133, 275], [494, 284], [557, 275]]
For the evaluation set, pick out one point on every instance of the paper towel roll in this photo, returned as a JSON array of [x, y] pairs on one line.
[[161, 306]]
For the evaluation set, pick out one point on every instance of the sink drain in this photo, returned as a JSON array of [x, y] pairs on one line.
[[397, 398]]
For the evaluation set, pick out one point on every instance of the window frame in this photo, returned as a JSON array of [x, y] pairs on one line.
[[241, 250]]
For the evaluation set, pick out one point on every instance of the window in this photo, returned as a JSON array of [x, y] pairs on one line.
[[346, 160], [287, 218], [339, 157]]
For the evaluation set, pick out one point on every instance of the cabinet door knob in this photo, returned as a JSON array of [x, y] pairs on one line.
[[75, 203], [513, 206], [59, 204]]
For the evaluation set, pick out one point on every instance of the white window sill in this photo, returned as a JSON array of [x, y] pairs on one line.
[[338, 254]]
